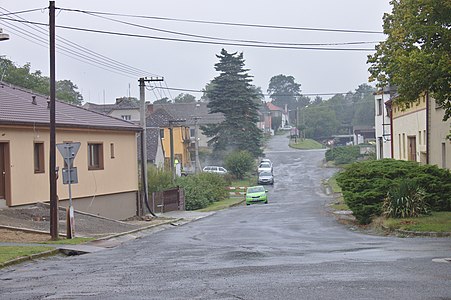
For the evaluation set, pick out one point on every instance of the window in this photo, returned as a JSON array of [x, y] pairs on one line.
[[192, 131], [379, 107], [126, 117], [419, 138], [95, 156], [161, 133], [112, 150], [39, 157]]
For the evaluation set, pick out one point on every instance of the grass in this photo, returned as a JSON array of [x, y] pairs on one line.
[[306, 144], [8, 253], [74, 241], [338, 203], [250, 181], [436, 222], [222, 204]]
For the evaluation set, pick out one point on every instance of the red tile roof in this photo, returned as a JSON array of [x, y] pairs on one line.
[[18, 108]]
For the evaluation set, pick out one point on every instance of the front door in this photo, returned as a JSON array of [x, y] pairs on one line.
[[412, 148], [2, 171]]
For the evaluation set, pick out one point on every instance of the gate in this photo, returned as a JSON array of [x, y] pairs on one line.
[[169, 200]]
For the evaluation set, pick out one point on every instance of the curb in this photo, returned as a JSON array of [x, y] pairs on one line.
[[420, 233], [29, 257]]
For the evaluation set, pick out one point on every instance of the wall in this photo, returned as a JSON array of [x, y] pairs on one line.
[[134, 113], [180, 148], [409, 121], [120, 174], [439, 145], [382, 131]]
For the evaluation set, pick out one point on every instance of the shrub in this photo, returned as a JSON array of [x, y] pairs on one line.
[[202, 189], [238, 163], [405, 200], [365, 184], [343, 155], [158, 179]]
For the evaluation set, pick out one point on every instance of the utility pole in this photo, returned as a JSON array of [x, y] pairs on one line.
[[142, 98], [196, 145], [54, 233]]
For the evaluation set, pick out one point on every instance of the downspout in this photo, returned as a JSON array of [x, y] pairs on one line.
[[427, 127], [391, 132]]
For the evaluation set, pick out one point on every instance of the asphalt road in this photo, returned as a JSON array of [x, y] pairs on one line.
[[288, 249]]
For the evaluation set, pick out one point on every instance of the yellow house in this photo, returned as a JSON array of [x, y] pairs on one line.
[[163, 120], [106, 161]]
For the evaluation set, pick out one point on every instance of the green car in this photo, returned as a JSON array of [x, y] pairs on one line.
[[256, 194]]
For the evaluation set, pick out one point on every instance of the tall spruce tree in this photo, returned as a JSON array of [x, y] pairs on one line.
[[232, 94]]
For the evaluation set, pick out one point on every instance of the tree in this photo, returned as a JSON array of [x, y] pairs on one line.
[[416, 56], [320, 121], [239, 163], [232, 94], [164, 100], [35, 81], [284, 90], [184, 98]]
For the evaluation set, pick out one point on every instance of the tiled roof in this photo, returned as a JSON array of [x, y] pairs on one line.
[[159, 118], [273, 107], [18, 108], [152, 143], [188, 111]]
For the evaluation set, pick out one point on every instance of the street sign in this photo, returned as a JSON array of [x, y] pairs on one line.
[[70, 178], [68, 151]]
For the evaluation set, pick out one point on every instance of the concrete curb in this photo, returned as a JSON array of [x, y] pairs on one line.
[[419, 233], [27, 230], [29, 257]]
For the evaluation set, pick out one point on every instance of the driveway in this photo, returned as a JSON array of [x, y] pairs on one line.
[[290, 248]]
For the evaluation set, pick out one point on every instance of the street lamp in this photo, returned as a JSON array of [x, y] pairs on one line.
[[3, 36]]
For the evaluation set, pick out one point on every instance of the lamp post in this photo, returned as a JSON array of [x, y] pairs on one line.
[[3, 36]]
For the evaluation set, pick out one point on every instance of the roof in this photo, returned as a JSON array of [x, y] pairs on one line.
[[121, 104], [188, 112], [273, 107], [17, 107], [159, 118], [152, 143]]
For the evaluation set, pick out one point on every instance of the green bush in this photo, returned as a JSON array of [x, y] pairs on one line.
[[343, 155], [405, 200], [202, 189], [158, 179], [239, 163], [365, 184]]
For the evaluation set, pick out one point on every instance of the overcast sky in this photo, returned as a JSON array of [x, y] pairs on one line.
[[191, 65]]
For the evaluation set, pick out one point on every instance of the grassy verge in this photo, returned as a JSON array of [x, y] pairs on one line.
[[437, 222], [306, 144], [222, 204], [338, 203], [8, 253], [74, 241]]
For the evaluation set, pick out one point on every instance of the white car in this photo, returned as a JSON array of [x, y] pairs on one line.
[[266, 160], [265, 166], [214, 169]]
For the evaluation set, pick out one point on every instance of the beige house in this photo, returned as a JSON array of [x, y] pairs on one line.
[[106, 161], [420, 134], [409, 131], [439, 146]]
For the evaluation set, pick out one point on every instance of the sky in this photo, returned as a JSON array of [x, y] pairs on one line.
[[190, 65]]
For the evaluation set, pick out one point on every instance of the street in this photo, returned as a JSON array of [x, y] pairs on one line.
[[290, 248]]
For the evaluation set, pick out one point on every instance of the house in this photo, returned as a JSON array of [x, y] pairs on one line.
[[162, 120], [277, 112], [383, 124], [155, 151], [194, 113], [265, 120], [438, 144], [124, 108], [106, 161], [409, 130]]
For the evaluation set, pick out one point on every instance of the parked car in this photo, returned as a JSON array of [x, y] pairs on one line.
[[265, 177], [256, 194], [264, 166], [214, 169], [266, 160]]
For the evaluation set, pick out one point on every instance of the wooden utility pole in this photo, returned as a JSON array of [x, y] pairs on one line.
[[54, 233], [142, 98]]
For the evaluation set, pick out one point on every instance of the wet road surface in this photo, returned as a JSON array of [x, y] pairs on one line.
[[287, 249]]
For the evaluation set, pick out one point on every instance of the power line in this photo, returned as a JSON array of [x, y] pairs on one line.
[[230, 40], [196, 41], [228, 23], [22, 11]]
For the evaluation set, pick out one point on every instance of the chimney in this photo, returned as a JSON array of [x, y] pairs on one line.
[[33, 100]]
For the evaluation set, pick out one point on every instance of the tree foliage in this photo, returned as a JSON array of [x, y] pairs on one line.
[[416, 56], [184, 98], [239, 163], [284, 90], [232, 94], [164, 100], [22, 76]]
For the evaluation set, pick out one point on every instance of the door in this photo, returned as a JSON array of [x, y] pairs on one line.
[[412, 143], [2, 171]]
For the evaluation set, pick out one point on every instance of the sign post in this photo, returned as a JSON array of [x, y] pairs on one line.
[[69, 151]]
